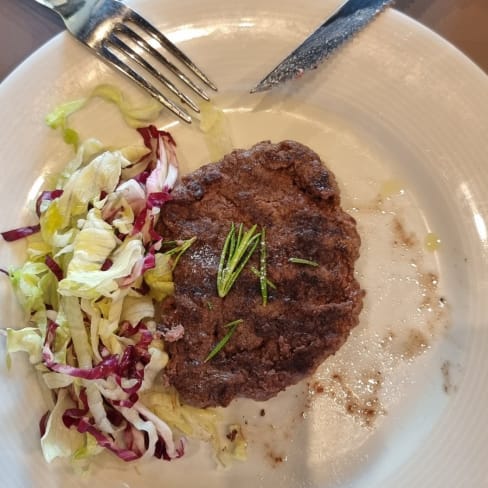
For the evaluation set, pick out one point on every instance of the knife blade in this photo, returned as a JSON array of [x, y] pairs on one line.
[[349, 19]]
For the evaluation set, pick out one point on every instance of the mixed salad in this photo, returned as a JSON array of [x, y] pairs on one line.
[[96, 265]]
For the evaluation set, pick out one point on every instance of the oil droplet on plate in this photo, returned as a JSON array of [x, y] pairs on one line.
[[432, 242], [391, 187]]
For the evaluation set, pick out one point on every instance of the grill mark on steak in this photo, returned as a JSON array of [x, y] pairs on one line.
[[286, 189]]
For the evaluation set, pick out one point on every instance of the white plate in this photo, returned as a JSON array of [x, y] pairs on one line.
[[398, 108]]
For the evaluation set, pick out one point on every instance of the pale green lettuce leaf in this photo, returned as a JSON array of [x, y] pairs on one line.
[[37, 248], [59, 441], [134, 152], [109, 327], [137, 308], [192, 421], [199, 423], [86, 184], [125, 218], [62, 340], [79, 336], [160, 278], [87, 150], [92, 245], [27, 285], [95, 283], [89, 449], [57, 380], [115, 207], [215, 128], [94, 314], [158, 361], [53, 224], [97, 408], [48, 283], [58, 117], [29, 340], [135, 116]]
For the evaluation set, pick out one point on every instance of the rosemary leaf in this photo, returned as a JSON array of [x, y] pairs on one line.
[[235, 254], [303, 261], [232, 326], [232, 242], [178, 251], [170, 243], [233, 323], [229, 241]]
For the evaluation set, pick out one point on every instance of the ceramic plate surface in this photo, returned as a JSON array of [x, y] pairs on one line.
[[400, 116]]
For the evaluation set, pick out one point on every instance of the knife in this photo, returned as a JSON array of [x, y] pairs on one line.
[[350, 18]]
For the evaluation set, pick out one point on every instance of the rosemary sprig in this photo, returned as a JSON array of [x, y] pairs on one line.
[[238, 248], [232, 326], [179, 250], [303, 261]]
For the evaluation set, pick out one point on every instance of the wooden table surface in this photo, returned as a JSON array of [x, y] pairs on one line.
[[25, 26]]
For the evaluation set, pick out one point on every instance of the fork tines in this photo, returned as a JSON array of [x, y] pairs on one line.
[[123, 32]]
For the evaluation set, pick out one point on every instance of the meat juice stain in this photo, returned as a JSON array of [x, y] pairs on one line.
[[448, 385], [317, 387], [274, 457], [359, 399], [275, 442], [415, 344], [401, 236]]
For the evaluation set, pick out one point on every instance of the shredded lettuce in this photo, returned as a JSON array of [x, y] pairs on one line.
[[79, 336], [91, 332], [58, 119], [86, 152], [203, 424], [88, 182], [89, 449], [32, 291], [58, 441], [189, 420], [134, 115], [55, 381], [160, 278], [27, 340], [136, 309], [215, 128], [92, 245], [159, 359]]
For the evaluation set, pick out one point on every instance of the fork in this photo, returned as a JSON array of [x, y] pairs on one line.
[[105, 26]]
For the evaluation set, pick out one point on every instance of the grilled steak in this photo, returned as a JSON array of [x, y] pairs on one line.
[[285, 189]]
